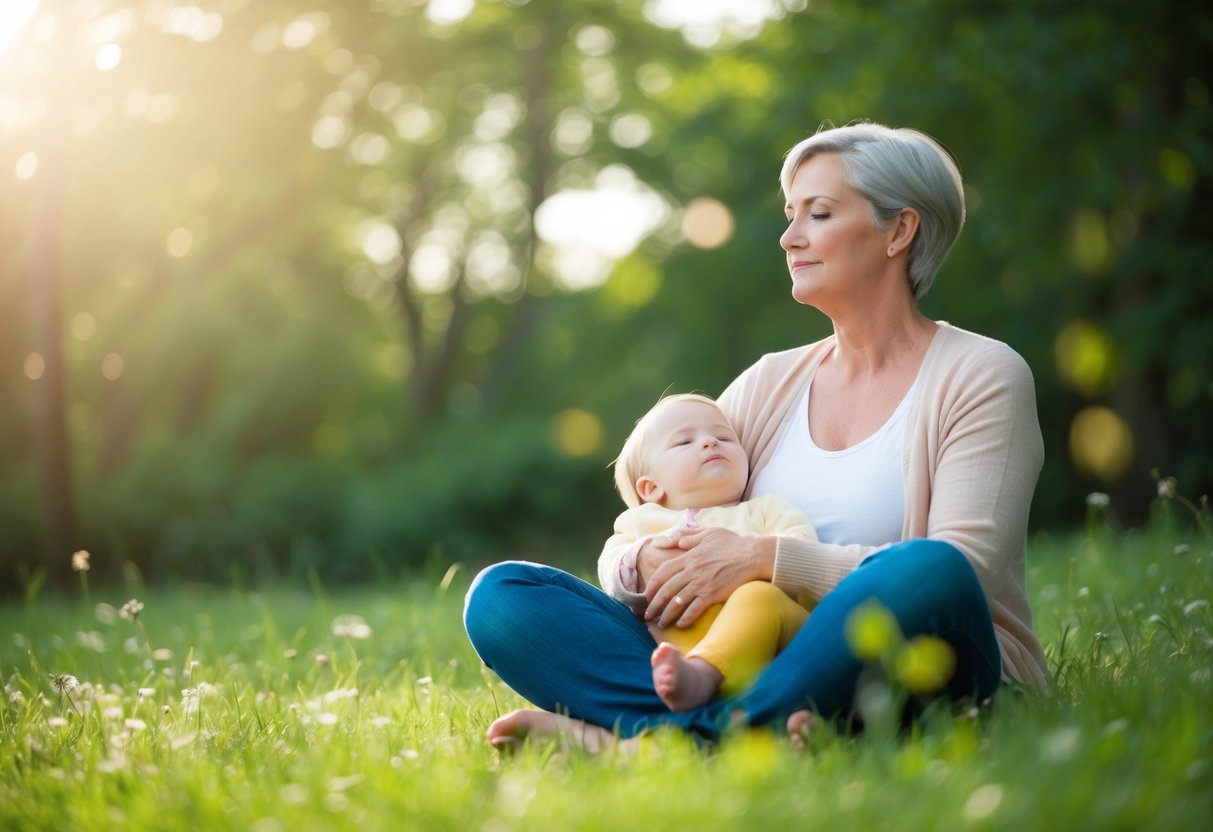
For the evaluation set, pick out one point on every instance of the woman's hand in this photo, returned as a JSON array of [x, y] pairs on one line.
[[713, 562]]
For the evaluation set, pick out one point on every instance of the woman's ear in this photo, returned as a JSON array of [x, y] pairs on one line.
[[904, 229], [649, 490]]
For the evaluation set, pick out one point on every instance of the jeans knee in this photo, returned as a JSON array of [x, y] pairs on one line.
[[489, 597], [944, 566]]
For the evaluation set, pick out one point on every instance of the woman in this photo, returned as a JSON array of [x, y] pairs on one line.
[[912, 446]]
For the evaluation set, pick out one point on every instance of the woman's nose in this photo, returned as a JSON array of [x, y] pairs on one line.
[[791, 238]]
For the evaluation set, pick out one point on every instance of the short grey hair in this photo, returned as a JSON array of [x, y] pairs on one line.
[[895, 169]]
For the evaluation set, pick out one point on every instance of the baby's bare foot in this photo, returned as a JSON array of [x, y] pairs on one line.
[[799, 726], [509, 732], [683, 683]]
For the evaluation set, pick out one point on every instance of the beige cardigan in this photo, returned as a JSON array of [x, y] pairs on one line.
[[971, 457]]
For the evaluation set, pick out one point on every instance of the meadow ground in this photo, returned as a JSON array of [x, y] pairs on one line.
[[292, 709]]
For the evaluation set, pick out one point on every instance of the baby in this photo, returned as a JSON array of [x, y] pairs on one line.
[[683, 467]]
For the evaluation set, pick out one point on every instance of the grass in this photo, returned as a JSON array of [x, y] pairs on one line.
[[273, 710]]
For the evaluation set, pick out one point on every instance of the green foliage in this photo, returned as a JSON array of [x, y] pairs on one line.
[[298, 254], [342, 709]]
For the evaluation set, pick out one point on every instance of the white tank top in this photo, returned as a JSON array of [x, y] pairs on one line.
[[856, 495]]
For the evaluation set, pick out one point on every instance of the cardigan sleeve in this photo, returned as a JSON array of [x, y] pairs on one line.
[[629, 533], [986, 463]]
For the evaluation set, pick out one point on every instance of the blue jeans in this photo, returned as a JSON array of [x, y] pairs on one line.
[[565, 646]]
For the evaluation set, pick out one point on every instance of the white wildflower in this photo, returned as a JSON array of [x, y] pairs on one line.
[[105, 614], [339, 694], [80, 561], [326, 718], [144, 693], [1168, 487], [131, 609], [56, 722], [91, 640], [1098, 499], [162, 654], [135, 724], [351, 626]]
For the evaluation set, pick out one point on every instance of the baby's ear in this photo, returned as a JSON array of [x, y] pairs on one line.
[[649, 490]]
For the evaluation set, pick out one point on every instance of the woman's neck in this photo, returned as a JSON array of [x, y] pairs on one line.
[[880, 339]]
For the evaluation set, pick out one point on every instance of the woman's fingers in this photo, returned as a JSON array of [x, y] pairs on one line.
[[692, 612], [675, 607]]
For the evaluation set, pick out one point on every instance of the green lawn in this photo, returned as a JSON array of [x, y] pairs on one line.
[[271, 710]]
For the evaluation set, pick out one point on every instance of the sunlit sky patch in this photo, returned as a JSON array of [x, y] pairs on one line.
[[14, 14]]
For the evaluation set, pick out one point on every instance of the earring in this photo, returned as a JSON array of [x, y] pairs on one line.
[[891, 251]]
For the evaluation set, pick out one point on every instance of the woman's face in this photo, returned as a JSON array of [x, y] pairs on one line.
[[834, 249]]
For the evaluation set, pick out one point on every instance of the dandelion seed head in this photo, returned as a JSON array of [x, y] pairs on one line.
[[80, 561], [135, 724], [56, 722], [146, 692], [114, 712], [326, 718], [64, 683]]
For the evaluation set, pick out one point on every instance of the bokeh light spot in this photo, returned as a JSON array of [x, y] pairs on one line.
[[1085, 357], [108, 57], [179, 242], [1101, 443], [707, 223], [27, 165], [447, 12], [83, 326], [1177, 168], [872, 631], [576, 432], [379, 241], [112, 366], [1089, 246], [631, 130], [634, 283], [925, 664], [34, 366]]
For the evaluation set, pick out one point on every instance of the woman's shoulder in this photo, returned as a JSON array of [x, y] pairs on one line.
[[958, 348], [781, 362]]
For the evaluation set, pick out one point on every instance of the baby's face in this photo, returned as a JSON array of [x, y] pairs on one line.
[[694, 458]]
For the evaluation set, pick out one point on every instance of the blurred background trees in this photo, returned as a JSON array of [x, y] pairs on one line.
[[362, 286]]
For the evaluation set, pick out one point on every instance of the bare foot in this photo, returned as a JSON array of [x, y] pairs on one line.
[[800, 724], [683, 683], [509, 732]]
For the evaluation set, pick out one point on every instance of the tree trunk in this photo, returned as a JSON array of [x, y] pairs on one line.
[[52, 449]]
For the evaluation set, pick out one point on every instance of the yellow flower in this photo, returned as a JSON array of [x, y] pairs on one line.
[[925, 664], [872, 631]]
